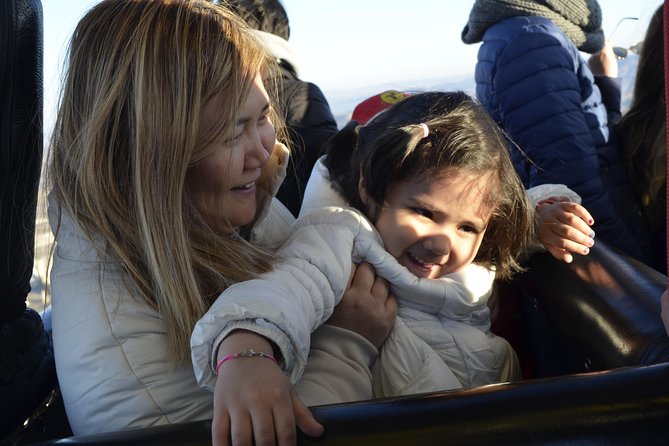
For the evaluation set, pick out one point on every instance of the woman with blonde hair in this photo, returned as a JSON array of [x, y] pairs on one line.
[[162, 170]]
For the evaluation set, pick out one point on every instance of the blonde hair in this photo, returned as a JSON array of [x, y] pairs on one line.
[[139, 74]]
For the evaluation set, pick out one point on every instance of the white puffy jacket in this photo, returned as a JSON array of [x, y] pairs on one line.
[[111, 348], [448, 343]]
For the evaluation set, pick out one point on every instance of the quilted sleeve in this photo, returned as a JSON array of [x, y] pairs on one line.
[[550, 107], [287, 304]]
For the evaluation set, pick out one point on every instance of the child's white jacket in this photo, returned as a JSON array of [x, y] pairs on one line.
[[442, 338]]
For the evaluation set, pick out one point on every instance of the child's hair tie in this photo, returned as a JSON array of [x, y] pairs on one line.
[[426, 130], [245, 354]]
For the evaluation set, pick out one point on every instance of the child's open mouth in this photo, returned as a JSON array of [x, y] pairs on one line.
[[420, 267]]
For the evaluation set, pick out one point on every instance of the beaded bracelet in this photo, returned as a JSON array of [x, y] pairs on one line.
[[250, 353]]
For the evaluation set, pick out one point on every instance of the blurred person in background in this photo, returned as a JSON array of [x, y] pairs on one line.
[[642, 133], [557, 108]]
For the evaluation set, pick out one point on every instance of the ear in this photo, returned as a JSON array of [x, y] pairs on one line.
[[362, 192], [370, 206]]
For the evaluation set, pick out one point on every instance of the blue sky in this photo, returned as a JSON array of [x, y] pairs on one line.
[[347, 46]]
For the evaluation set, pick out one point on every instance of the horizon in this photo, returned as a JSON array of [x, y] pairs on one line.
[[346, 66]]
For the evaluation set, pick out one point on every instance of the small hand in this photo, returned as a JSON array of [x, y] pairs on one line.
[[254, 402], [564, 228], [366, 308], [604, 63]]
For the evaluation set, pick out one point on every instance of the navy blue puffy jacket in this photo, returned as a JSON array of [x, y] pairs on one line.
[[533, 81]]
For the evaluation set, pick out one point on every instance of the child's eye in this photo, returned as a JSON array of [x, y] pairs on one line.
[[470, 229], [423, 212], [263, 119]]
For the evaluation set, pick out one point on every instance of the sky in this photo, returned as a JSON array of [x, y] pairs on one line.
[[351, 47]]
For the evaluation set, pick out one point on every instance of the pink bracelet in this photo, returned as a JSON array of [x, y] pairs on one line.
[[250, 353]]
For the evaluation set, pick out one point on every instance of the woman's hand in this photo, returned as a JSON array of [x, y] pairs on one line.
[[564, 228], [254, 402], [604, 63], [367, 307]]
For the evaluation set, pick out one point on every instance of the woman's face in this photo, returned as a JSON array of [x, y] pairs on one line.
[[223, 183], [435, 227]]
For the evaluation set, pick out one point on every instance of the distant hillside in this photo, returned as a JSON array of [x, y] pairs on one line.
[[342, 102]]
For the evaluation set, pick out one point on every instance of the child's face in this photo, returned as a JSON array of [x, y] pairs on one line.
[[435, 227]]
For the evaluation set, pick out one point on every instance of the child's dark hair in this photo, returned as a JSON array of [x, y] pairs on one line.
[[392, 148]]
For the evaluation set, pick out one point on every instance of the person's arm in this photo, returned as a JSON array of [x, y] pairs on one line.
[[541, 108], [604, 66], [283, 306], [604, 63], [254, 401], [338, 369], [345, 348], [252, 396], [610, 88]]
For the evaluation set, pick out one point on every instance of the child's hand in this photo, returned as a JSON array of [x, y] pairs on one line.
[[254, 402], [564, 228]]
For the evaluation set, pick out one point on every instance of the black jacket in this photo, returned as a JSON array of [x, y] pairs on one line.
[[310, 124]]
